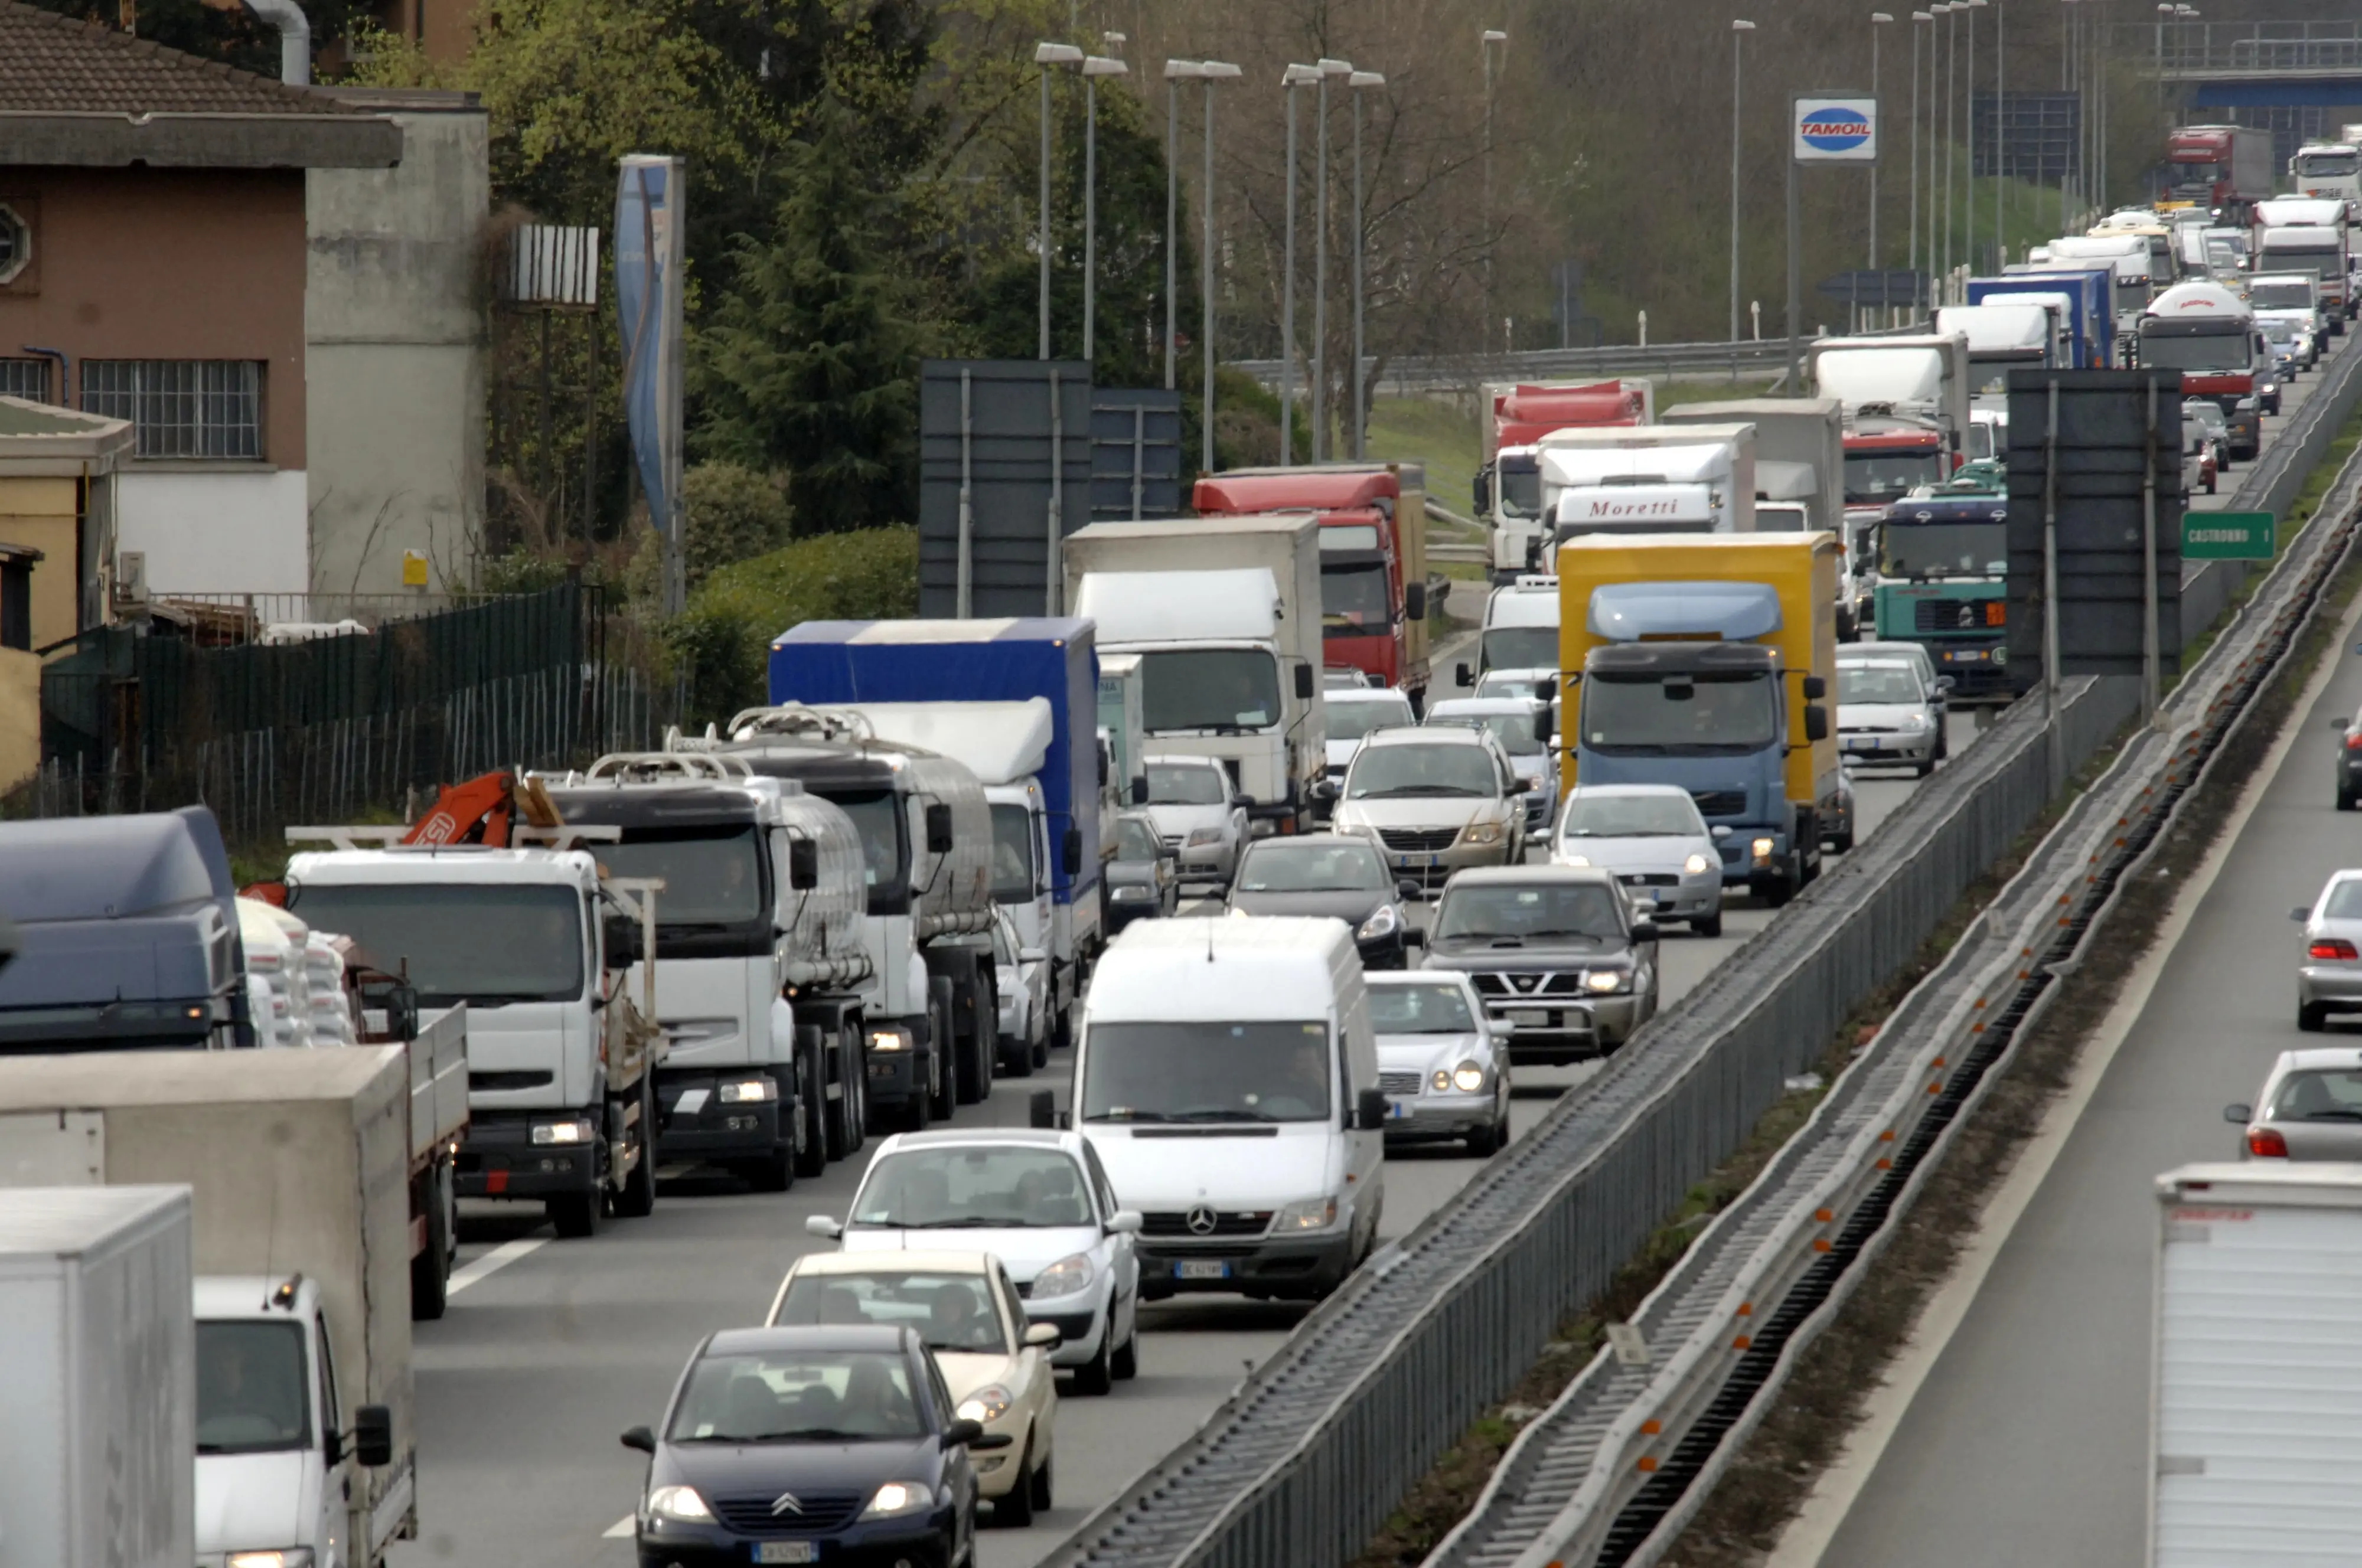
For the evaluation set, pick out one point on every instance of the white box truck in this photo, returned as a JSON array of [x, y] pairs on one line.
[[2254, 1429], [98, 1376]]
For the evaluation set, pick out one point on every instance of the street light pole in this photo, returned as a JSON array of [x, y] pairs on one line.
[[2001, 146], [1212, 72], [1293, 77], [1738, 30], [1969, 125], [1358, 81], [1951, 94], [1490, 36], [1094, 66], [1176, 71], [1047, 56], [1919, 20], [1877, 20], [1319, 366]]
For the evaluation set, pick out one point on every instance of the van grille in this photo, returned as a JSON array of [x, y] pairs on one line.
[[1405, 841], [1226, 1222]]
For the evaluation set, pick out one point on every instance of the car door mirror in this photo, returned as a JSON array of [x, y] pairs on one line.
[[373, 1436], [1041, 1109], [641, 1438], [963, 1432], [2337, 725], [2242, 1114], [1324, 789], [992, 1441], [1719, 832], [939, 828], [1043, 1336], [1408, 889], [1944, 685], [1414, 937], [1125, 1223], [804, 864], [822, 1226], [2300, 914], [1072, 857], [1414, 602], [1643, 931], [1303, 683], [1817, 721], [1369, 1110]]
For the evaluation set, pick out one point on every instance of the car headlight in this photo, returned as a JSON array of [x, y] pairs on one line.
[[889, 1040], [1128, 895], [1603, 982], [276, 1557], [1575, 860], [1237, 913], [1481, 833], [681, 1503], [1205, 835], [1312, 1214], [574, 1130], [1381, 922], [748, 1091], [1914, 722], [1697, 865], [1762, 847], [987, 1404], [899, 1498], [1468, 1078], [1068, 1275]]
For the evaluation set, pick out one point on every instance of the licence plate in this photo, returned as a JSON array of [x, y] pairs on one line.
[[1418, 862], [1531, 1019], [1397, 1110], [1201, 1268], [787, 1551]]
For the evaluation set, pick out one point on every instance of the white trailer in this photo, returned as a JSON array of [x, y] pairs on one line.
[[98, 1377]]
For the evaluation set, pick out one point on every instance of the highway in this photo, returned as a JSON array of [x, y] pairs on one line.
[[2024, 1438], [551, 1349]]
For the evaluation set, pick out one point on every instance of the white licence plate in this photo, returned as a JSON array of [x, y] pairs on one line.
[[1531, 1019], [1201, 1268], [1397, 1110], [787, 1551], [1418, 862]]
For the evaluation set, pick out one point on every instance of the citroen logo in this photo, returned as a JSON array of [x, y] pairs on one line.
[[1200, 1221], [787, 1503]]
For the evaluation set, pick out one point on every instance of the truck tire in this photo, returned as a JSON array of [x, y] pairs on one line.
[[576, 1215], [430, 1267], [942, 1058], [637, 1199], [816, 1135], [852, 1063], [1016, 1051], [971, 1028]]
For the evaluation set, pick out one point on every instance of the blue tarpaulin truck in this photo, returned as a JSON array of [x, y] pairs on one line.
[[2090, 287]]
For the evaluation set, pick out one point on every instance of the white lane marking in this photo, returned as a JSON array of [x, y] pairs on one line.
[[492, 1263], [1808, 1535], [621, 1530]]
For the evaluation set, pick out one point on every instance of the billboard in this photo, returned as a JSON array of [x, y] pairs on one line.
[[649, 194], [1837, 128]]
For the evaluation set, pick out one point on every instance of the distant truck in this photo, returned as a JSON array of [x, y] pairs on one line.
[[2023, 333], [1225, 614], [1508, 486], [2208, 334], [1704, 662], [1694, 487], [1373, 581], [2129, 257], [2225, 169], [1799, 461], [98, 1354], [2327, 169], [1943, 561], [2299, 234], [1922, 377], [2093, 285], [302, 1248]]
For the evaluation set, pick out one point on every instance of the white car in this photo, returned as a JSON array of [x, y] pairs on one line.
[[1437, 1064], [1350, 715], [1887, 714], [1651, 839], [995, 1363], [1022, 976], [1517, 682], [1526, 728], [1036, 1198], [1200, 817]]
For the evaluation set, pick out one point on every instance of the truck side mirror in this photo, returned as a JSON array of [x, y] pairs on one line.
[[1303, 683], [1480, 490], [1544, 731], [1041, 1109], [1140, 790], [804, 864], [1415, 601], [1817, 721], [1545, 688], [1369, 1110], [939, 828], [373, 1436], [1815, 688], [1073, 858], [1103, 768], [620, 935], [1465, 675]]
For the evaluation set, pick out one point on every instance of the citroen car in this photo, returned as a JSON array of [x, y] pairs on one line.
[[1436, 801]]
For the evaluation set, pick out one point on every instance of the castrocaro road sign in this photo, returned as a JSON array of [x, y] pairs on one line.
[[2226, 535]]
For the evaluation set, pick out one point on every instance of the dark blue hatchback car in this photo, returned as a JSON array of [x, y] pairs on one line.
[[834, 1445]]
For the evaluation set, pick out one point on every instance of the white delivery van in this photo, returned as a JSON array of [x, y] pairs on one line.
[[1519, 629], [1227, 1078]]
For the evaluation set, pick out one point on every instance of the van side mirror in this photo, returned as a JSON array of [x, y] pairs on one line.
[[1043, 1336], [1369, 1110], [619, 934], [1414, 602], [640, 1437], [1303, 683], [373, 1436], [1041, 1109], [1815, 688], [939, 828], [1071, 855], [1140, 790], [804, 864], [1464, 675], [962, 1432], [1817, 721]]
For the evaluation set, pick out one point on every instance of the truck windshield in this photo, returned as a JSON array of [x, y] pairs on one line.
[[1943, 549], [1012, 855], [711, 875], [2227, 351], [482, 944], [1521, 648], [2321, 261], [1227, 691], [1206, 1072], [1354, 600], [1403, 772], [1889, 475], [253, 1390], [2329, 165], [877, 816], [1664, 715], [1517, 487], [2280, 296]]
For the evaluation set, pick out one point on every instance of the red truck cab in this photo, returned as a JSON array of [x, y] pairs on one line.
[[1523, 414], [1366, 604]]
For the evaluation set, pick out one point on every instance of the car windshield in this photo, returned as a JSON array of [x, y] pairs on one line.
[[1187, 784], [1630, 817], [1516, 731], [949, 1312], [1223, 689], [1353, 598], [1206, 1072], [1517, 487], [1351, 720], [2280, 296], [1883, 476], [1521, 648], [1135, 839], [1665, 714], [2208, 351], [483, 944], [798, 1397], [1012, 855], [1877, 683], [2207, 415], [252, 1388], [973, 1188], [2279, 331], [1397, 772], [1424, 1007], [2345, 901], [712, 876], [1509, 914], [1942, 549], [2329, 1093], [1278, 866]]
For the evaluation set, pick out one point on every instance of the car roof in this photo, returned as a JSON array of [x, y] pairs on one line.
[[1667, 790], [1387, 694], [1420, 735], [931, 1261], [1380, 978], [1181, 759], [1312, 838], [1479, 707], [984, 1137], [809, 1337], [1524, 876]]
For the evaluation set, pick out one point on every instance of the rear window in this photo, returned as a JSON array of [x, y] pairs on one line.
[[2333, 1094], [2344, 896]]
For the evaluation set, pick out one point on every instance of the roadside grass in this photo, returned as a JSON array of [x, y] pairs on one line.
[[1442, 433]]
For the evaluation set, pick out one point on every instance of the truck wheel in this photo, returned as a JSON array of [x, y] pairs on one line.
[[774, 1173], [1775, 891], [637, 1199], [855, 1098], [575, 1215], [972, 1031], [818, 1138], [430, 1267], [942, 1050]]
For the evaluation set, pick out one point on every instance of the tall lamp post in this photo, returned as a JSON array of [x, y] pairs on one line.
[[1176, 71], [1049, 57], [1738, 30], [1210, 72], [1919, 20], [1947, 9], [1358, 81], [1319, 368], [1490, 36], [1295, 76], [1094, 66], [1969, 125], [1877, 20]]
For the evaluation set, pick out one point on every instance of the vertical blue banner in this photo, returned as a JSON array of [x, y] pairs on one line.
[[648, 291]]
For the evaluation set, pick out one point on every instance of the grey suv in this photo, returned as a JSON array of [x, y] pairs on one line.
[[1566, 968]]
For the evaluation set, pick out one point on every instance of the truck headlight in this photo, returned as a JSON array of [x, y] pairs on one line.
[[1762, 848], [1382, 924], [1606, 982], [899, 1498], [574, 1130], [748, 1091], [1481, 834], [986, 1405], [889, 1040], [681, 1504], [1067, 1275], [1312, 1214], [276, 1557], [1697, 865], [1132, 894]]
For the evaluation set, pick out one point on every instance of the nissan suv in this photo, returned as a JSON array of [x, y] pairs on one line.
[[1566, 968], [1436, 800]]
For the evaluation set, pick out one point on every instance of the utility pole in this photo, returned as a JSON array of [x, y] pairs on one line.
[[1290, 79], [1048, 56], [1328, 68], [1211, 71], [1877, 20], [1357, 82], [1738, 30]]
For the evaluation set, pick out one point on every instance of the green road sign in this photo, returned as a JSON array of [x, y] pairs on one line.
[[2226, 535]]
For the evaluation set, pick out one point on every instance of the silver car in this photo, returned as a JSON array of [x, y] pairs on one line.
[[2330, 978], [1200, 817], [1437, 802], [1886, 715], [1651, 838], [1437, 1064], [2309, 1109], [1526, 728]]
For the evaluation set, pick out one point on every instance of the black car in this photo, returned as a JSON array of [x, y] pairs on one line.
[[1340, 875], [836, 1445], [1143, 881]]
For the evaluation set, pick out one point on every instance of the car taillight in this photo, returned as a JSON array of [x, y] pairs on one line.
[[2331, 947], [2266, 1144], [2353, 741]]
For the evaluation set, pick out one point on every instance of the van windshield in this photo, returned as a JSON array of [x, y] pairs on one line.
[[483, 944], [1012, 855], [1521, 648], [1206, 1072], [252, 1389], [2280, 296]]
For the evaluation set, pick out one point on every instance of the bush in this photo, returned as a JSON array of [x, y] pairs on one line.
[[723, 641], [734, 514]]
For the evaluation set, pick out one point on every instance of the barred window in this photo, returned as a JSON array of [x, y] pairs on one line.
[[181, 408], [25, 378]]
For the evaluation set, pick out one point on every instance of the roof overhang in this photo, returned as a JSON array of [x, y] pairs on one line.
[[102, 141], [39, 439]]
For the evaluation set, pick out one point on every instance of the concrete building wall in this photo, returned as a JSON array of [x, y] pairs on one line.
[[214, 533], [396, 325]]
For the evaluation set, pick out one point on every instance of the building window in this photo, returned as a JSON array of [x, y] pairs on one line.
[[15, 244], [25, 378], [181, 408]]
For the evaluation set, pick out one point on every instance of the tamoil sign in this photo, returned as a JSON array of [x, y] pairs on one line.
[[1836, 129]]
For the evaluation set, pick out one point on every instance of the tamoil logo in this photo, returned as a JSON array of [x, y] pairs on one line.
[[1834, 129]]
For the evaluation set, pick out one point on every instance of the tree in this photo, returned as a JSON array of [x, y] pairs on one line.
[[809, 361]]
